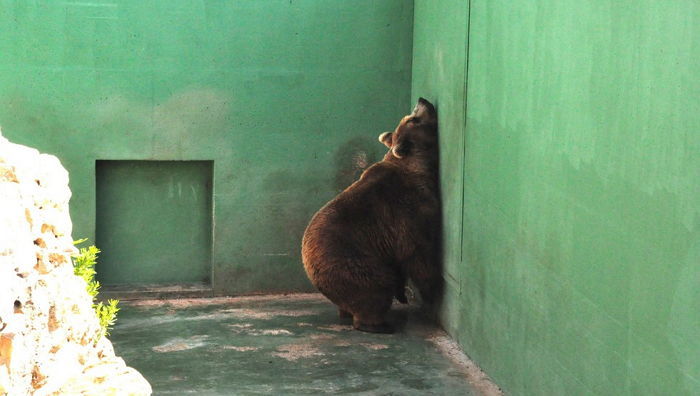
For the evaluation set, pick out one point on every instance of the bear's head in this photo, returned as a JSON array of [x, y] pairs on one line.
[[416, 134]]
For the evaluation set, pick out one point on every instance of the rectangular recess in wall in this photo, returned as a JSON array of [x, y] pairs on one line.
[[154, 221]]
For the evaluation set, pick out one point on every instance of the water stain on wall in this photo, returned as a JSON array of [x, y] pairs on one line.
[[353, 156]]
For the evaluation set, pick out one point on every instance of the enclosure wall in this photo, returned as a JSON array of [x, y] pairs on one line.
[[571, 183], [569, 150], [286, 97]]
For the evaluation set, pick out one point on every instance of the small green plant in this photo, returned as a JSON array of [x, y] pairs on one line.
[[84, 266]]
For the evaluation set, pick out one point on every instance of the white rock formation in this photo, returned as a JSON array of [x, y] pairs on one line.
[[49, 333]]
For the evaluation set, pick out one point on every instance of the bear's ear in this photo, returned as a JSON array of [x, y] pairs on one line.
[[386, 138], [425, 112]]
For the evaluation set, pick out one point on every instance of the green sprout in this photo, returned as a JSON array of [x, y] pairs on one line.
[[84, 266]]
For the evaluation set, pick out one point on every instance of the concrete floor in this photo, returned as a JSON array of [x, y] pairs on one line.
[[284, 345]]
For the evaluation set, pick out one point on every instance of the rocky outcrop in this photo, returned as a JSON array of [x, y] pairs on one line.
[[49, 334]]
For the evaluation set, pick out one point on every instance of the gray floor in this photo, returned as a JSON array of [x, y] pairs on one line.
[[282, 345]]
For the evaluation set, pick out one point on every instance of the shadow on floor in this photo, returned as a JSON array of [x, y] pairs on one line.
[[280, 345]]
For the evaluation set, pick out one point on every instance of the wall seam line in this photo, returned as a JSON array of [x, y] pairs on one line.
[[464, 137]]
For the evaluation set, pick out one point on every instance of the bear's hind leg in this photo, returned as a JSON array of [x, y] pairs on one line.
[[344, 315], [371, 324], [370, 316], [426, 275], [363, 288]]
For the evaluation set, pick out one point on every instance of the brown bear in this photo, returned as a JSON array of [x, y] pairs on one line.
[[361, 247]]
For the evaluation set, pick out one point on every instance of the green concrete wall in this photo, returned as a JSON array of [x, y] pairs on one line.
[[569, 150], [573, 211], [285, 96]]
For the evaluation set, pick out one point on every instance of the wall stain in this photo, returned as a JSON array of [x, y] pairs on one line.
[[352, 157]]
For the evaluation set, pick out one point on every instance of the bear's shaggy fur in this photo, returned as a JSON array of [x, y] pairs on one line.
[[361, 247]]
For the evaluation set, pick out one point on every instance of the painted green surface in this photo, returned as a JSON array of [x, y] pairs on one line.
[[440, 75], [570, 153], [286, 97], [581, 222], [279, 345], [154, 221]]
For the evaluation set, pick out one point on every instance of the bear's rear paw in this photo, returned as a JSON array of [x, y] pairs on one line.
[[401, 297], [384, 328], [344, 316]]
